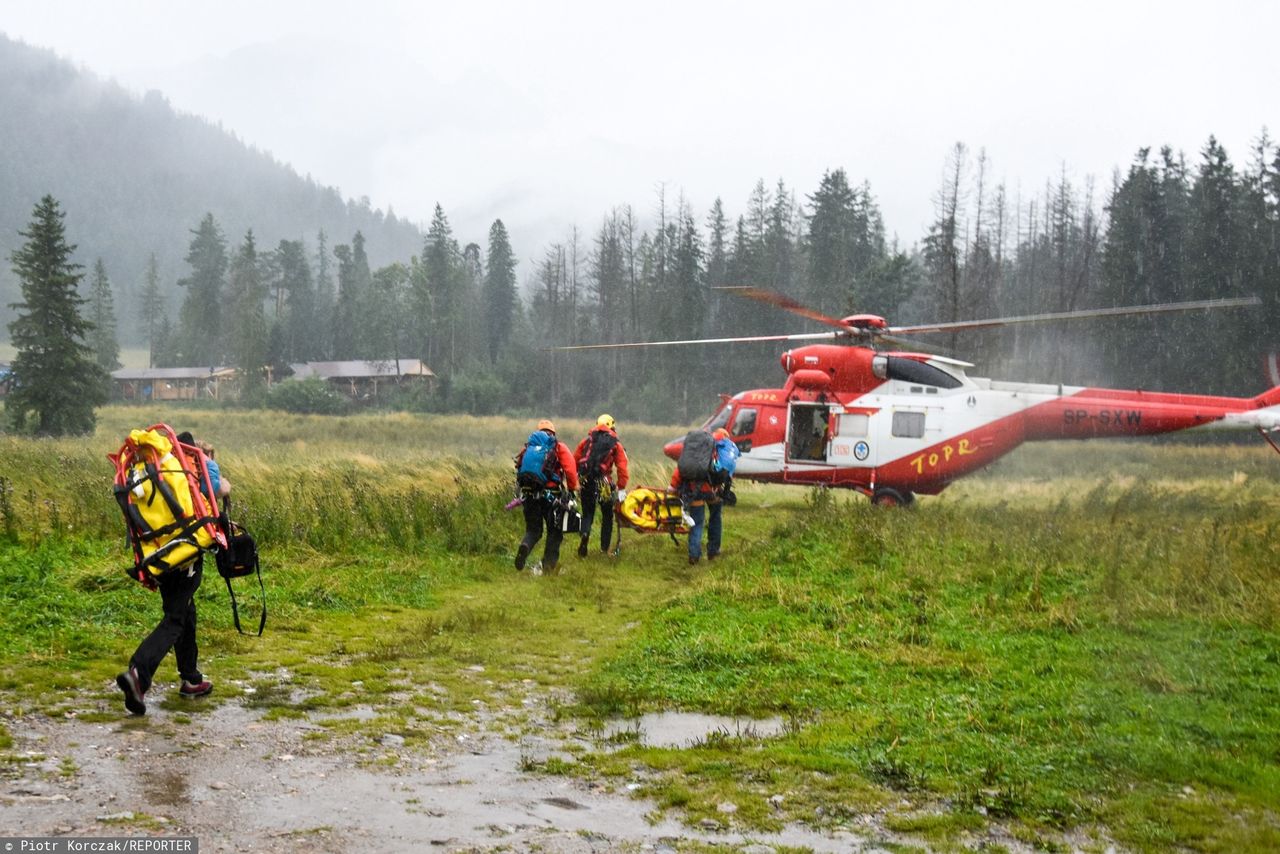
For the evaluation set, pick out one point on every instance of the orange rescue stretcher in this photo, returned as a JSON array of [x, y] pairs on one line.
[[651, 511]]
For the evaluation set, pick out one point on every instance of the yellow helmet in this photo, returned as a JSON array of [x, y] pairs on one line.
[[545, 424], [605, 421]]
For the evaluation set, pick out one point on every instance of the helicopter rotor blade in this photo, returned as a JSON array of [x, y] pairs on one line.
[[781, 301], [909, 344], [812, 336], [1158, 308]]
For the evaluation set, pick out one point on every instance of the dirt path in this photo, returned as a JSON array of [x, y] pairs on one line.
[[241, 783]]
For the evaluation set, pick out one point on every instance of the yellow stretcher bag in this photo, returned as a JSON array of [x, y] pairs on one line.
[[158, 486], [652, 510]]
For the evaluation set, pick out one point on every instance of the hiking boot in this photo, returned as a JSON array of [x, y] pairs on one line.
[[694, 559], [199, 689], [129, 683], [582, 547], [713, 556], [522, 554]]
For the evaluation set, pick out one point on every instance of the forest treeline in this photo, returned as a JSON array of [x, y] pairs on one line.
[[1166, 231]]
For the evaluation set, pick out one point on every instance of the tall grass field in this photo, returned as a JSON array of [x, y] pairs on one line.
[[1081, 645]]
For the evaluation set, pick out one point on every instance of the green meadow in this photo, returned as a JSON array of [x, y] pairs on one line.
[[1081, 645]]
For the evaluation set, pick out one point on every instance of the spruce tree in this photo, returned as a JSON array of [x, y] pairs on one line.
[[247, 296], [687, 276], [717, 265], [164, 347], [607, 272], [499, 290], [830, 244], [346, 315], [942, 250], [56, 382], [1266, 283], [384, 313], [471, 332], [1144, 261], [362, 275], [440, 264], [1217, 252], [321, 329], [201, 313], [102, 314], [151, 308], [297, 323]]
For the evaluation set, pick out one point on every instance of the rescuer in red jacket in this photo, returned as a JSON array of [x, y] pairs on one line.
[[546, 502], [599, 455]]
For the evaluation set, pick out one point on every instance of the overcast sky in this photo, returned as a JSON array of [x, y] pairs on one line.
[[549, 114]]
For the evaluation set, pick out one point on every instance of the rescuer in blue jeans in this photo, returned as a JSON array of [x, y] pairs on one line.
[[702, 500], [710, 510]]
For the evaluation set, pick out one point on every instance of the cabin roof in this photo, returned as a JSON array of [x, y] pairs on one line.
[[360, 369], [202, 373]]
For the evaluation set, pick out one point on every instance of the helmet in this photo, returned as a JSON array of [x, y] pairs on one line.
[[546, 424], [605, 421], [720, 433]]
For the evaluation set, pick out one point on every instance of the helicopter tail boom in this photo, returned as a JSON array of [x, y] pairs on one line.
[[1268, 398]]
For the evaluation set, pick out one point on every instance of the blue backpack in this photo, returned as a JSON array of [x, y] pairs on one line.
[[539, 463], [725, 461]]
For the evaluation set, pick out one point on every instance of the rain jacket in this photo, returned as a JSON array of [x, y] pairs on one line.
[[615, 459]]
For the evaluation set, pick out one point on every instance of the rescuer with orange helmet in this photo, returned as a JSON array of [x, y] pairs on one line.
[[598, 456], [547, 478]]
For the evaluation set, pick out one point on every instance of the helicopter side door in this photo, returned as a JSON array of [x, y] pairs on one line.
[[808, 442]]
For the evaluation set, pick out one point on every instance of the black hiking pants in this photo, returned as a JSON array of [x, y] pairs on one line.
[[540, 510], [590, 493], [176, 630]]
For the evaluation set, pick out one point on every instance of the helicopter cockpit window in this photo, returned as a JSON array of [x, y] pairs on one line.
[[744, 423], [911, 371], [720, 419]]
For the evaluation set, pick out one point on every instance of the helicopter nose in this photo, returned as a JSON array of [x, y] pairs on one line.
[[672, 449]]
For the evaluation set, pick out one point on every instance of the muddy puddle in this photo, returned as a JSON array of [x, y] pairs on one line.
[[239, 782], [687, 729]]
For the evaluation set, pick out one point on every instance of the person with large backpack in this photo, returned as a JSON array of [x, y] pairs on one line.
[[598, 456], [175, 465], [695, 479], [547, 477]]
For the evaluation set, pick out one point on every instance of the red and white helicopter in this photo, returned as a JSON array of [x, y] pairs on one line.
[[894, 424]]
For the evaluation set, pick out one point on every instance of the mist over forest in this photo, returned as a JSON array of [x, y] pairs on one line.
[[134, 176], [295, 272]]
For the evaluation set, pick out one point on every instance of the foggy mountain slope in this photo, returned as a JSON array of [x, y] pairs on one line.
[[134, 176]]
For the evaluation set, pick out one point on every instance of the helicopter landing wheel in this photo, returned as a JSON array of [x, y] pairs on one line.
[[887, 497]]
